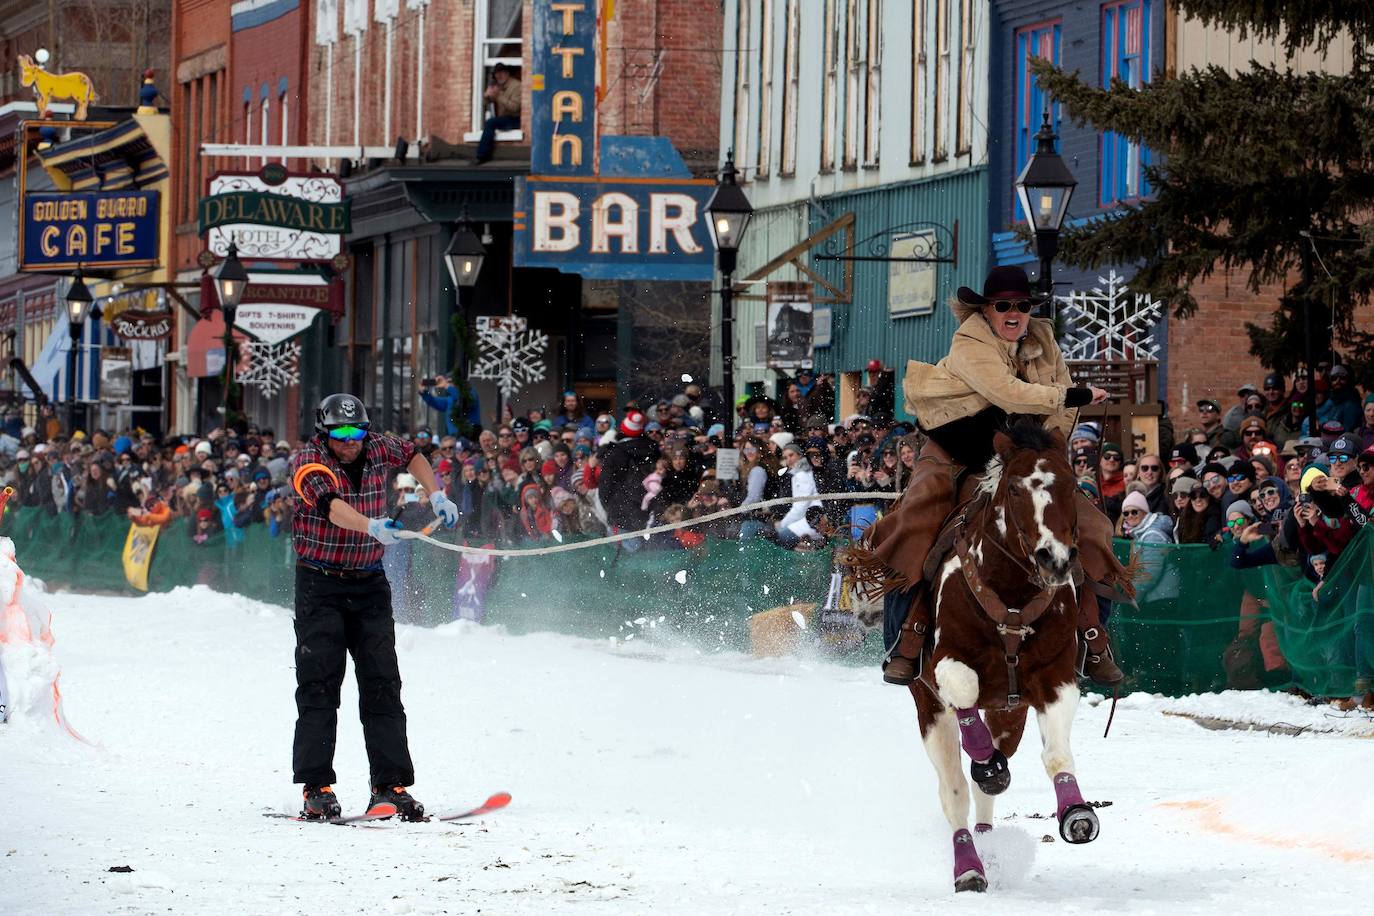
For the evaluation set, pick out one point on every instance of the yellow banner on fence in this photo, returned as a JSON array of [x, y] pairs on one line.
[[138, 554]]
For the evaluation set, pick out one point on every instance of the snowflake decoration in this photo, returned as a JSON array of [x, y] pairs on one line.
[[512, 355], [271, 367], [1110, 324]]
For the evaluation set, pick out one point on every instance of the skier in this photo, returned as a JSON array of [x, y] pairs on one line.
[[343, 603]]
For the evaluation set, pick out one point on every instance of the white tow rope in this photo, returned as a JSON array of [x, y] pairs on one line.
[[643, 533]]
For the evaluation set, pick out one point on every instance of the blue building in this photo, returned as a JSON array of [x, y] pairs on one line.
[[1103, 41]]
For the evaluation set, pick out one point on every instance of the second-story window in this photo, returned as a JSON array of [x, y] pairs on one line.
[[963, 114], [742, 82], [939, 149], [266, 126], [1125, 57], [1042, 41], [830, 87], [765, 87], [499, 31], [853, 57], [791, 54], [918, 81], [873, 56]]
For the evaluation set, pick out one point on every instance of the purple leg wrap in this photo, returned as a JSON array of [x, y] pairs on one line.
[[1066, 792], [974, 734], [965, 855], [982, 828]]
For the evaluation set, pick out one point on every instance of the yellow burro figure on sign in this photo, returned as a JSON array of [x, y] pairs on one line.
[[48, 86]]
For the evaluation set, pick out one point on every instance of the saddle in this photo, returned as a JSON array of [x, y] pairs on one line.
[[971, 500]]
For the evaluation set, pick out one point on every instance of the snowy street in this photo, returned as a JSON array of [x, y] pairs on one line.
[[645, 779]]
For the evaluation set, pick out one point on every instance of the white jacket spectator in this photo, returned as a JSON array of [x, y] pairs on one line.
[[803, 484]]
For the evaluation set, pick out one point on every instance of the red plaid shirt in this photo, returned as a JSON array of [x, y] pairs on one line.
[[317, 539]]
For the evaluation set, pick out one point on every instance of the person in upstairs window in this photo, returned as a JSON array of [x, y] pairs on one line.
[[504, 95]]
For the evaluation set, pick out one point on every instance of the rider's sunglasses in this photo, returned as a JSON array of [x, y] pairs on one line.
[[1006, 305], [348, 433]]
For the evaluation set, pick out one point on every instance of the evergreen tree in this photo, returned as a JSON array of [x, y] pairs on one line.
[[1266, 172]]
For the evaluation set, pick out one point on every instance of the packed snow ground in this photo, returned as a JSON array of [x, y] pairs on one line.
[[661, 781]]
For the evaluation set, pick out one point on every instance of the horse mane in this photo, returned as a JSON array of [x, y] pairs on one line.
[[1026, 432]]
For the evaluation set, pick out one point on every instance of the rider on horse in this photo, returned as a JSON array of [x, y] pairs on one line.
[[1001, 362]]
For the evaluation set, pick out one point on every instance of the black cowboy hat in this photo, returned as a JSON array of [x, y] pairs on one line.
[[1007, 282]]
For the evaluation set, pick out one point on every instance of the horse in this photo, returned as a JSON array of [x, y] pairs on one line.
[[1005, 640], [48, 86]]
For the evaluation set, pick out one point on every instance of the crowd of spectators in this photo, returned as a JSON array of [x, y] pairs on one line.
[[1255, 481], [1250, 480], [540, 477]]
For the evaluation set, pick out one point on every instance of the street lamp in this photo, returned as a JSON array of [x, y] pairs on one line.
[[728, 211], [464, 255], [78, 301], [230, 281], [1044, 188]]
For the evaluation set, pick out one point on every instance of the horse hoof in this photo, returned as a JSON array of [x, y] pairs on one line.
[[1078, 824], [993, 775], [971, 881]]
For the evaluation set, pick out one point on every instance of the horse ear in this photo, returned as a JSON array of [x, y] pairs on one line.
[[1057, 437], [1002, 444]]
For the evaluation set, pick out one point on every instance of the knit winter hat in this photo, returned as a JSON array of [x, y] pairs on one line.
[[633, 424], [1085, 431], [1135, 500], [1243, 507], [1182, 486], [1312, 472], [550, 467]]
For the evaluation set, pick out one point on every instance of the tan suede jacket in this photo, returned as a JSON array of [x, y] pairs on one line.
[[981, 369]]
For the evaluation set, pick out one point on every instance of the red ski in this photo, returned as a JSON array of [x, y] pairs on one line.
[[386, 810], [495, 803]]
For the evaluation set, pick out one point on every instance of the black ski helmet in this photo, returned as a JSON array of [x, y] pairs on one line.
[[340, 410]]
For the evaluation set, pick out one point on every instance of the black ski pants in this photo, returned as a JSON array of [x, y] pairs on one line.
[[337, 617]]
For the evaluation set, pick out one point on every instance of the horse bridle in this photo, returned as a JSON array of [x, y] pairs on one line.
[[1013, 624]]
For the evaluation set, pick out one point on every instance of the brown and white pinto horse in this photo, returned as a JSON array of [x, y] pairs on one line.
[[1006, 641]]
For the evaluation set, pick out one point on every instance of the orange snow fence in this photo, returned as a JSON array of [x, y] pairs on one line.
[[24, 628]]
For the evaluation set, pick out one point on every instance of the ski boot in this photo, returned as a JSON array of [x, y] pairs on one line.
[[397, 797], [320, 804]]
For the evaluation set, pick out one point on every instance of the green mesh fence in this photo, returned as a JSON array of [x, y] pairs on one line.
[[1199, 625]]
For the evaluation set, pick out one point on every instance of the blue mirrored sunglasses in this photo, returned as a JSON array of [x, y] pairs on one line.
[[348, 433], [1235, 478], [1342, 459]]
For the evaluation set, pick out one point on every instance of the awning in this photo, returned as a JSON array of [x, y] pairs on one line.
[[112, 159], [205, 346], [50, 369]]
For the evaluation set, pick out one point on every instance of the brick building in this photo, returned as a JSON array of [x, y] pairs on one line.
[[416, 70], [113, 43], [242, 70]]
